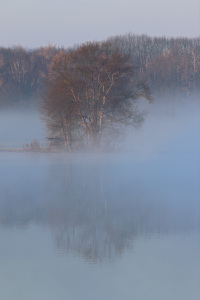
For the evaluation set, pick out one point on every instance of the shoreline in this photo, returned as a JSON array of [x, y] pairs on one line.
[[24, 150]]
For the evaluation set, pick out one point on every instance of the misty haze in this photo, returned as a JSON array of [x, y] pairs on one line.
[[99, 180]]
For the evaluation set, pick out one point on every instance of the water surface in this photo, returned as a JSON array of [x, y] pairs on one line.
[[103, 226]]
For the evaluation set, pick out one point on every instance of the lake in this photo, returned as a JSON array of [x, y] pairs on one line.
[[115, 226]]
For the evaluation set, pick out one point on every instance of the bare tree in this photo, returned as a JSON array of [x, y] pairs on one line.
[[90, 89], [59, 113]]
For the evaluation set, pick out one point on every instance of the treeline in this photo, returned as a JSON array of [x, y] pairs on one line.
[[166, 65], [23, 74]]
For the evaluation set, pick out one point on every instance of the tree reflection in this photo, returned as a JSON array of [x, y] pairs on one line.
[[94, 208], [84, 218]]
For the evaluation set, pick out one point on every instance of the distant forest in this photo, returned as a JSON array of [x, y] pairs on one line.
[[169, 66]]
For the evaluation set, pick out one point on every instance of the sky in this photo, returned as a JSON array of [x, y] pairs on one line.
[[32, 24]]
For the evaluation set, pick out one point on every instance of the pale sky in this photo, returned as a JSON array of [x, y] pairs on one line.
[[35, 23]]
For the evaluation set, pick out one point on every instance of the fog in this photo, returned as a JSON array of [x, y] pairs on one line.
[[119, 223], [171, 125], [20, 127]]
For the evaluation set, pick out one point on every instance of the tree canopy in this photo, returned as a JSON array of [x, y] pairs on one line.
[[90, 90]]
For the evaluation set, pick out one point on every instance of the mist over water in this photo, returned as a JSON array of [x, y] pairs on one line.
[[123, 225], [171, 125], [20, 127]]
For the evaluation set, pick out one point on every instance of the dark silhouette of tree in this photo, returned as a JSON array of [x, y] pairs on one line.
[[90, 90]]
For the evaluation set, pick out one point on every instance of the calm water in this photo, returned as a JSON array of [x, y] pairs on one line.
[[112, 226]]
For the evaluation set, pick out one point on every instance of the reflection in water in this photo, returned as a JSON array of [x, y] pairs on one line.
[[96, 207], [134, 217]]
